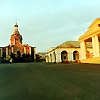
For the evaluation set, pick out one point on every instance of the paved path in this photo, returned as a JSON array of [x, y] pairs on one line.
[[40, 81]]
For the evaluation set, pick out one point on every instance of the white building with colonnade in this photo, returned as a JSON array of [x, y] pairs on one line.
[[67, 51]]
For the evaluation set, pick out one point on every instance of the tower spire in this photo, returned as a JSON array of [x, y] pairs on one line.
[[16, 25]]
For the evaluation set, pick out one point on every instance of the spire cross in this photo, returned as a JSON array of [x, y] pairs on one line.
[[16, 21]]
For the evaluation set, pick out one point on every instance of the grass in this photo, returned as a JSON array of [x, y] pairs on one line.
[[40, 81]]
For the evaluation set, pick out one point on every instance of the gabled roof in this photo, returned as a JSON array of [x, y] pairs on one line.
[[73, 44], [70, 44], [94, 22]]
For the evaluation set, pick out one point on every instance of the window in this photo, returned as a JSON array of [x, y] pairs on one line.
[[98, 25]]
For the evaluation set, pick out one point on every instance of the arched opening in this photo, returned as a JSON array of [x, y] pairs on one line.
[[76, 55], [50, 57], [54, 57], [64, 56]]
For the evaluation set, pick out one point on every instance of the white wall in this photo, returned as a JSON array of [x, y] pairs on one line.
[[68, 50]]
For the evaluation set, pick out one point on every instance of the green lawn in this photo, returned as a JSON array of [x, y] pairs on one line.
[[40, 81]]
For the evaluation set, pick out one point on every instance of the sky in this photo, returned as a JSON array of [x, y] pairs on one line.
[[46, 23]]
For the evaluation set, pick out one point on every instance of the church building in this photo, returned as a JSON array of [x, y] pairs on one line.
[[16, 45]]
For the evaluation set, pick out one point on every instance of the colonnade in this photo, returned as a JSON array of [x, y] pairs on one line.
[[95, 46], [62, 56], [8, 50]]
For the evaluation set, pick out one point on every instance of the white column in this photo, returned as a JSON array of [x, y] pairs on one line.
[[70, 56], [46, 59], [49, 59], [58, 57], [52, 57], [6, 51], [24, 49], [83, 50], [30, 50], [96, 46]]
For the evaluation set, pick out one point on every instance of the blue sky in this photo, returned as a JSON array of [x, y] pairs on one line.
[[46, 23]]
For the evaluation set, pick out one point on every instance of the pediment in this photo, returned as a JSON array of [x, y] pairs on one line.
[[94, 26]]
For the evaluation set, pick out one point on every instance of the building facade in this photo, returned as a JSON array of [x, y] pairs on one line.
[[92, 35], [16, 45], [42, 56], [67, 51]]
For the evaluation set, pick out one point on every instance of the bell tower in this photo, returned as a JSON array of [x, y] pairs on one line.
[[15, 38]]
